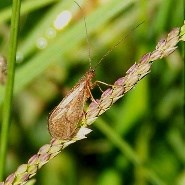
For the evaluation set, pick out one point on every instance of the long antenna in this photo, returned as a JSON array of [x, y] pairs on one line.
[[87, 38], [121, 40]]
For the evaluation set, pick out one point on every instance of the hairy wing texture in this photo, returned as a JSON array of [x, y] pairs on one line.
[[63, 121], [65, 118]]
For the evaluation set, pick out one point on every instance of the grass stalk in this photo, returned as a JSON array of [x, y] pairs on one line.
[[127, 151], [7, 106], [118, 141]]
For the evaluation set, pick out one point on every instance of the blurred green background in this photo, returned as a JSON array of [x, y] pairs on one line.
[[53, 55]]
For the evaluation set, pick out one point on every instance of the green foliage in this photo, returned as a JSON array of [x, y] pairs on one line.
[[149, 118]]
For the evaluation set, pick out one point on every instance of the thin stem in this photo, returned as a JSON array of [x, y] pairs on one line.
[[126, 150], [118, 141], [7, 106]]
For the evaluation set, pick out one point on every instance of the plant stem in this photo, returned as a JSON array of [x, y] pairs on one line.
[[118, 141], [7, 106], [127, 151]]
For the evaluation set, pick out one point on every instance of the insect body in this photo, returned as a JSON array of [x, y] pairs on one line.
[[64, 120]]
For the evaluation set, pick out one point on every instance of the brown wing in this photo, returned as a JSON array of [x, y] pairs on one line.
[[64, 120]]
